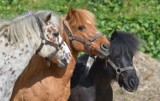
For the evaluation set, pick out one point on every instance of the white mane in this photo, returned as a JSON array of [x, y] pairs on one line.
[[55, 18], [20, 27]]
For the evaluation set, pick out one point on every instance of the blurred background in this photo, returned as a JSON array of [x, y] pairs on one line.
[[141, 17]]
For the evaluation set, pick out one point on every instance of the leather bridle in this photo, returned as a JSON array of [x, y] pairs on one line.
[[44, 41], [118, 69], [72, 37]]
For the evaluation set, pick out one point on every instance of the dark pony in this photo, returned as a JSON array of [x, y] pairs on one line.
[[94, 83]]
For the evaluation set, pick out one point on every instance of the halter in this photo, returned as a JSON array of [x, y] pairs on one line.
[[82, 40], [118, 69], [44, 41]]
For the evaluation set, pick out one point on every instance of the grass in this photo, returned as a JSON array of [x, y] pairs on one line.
[[141, 17]]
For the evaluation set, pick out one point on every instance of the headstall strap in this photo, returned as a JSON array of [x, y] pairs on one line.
[[69, 33]]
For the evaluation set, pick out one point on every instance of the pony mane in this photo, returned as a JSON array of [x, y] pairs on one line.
[[24, 25], [54, 20], [84, 14], [81, 16], [123, 42]]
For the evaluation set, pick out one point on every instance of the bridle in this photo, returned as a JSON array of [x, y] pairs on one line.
[[118, 69], [87, 42], [44, 41]]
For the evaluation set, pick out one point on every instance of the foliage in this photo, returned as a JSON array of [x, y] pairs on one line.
[[142, 17]]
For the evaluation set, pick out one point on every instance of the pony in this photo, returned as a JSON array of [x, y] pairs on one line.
[[23, 37], [91, 80], [53, 84]]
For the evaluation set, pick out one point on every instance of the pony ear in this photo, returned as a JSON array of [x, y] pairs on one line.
[[42, 23], [114, 35], [70, 13], [48, 18]]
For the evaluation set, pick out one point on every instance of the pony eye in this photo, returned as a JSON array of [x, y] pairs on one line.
[[81, 27], [55, 34]]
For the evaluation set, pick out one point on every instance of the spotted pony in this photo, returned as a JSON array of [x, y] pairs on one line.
[[23, 37]]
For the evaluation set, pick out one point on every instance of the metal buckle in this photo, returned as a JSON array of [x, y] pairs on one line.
[[118, 71]]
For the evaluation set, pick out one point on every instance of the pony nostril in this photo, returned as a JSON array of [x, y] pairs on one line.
[[132, 83], [104, 47], [64, 61], [56, 34]]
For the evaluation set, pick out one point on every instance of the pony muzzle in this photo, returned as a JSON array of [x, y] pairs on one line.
[[103, 51]]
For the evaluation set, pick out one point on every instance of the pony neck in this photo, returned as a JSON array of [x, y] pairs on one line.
[[102, 71], [18, 55]]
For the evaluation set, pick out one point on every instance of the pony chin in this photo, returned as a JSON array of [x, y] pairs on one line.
[[126, 86], [62, 63]]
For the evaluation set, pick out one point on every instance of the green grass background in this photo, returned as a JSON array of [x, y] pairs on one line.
[[141, 17]]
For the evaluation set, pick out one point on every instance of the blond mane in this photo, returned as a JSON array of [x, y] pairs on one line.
[[84, 14], [81, 16]]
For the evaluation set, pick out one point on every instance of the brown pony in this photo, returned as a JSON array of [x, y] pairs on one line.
[[42, 82]]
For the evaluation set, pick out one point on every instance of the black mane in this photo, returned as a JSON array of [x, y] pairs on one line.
[[122, 42]]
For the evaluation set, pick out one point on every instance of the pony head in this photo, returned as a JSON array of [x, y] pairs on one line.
[[122, 50], [54, 48], [80, 27]]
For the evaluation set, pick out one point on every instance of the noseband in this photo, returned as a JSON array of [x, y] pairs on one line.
[[118, 69], [44, 41], [87, 42]]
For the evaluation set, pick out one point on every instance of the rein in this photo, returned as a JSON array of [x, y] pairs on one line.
[[118, 69], [87, 42]]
